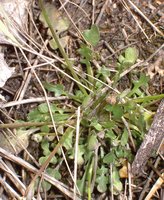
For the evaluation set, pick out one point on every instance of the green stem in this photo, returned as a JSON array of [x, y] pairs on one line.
[[148, 98], [90, 73], [55, 36], [31, 124]]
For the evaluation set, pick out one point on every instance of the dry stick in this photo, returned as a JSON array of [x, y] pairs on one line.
[[13, 177], [9, 189], [27, 79], [93, 11], [151, 142], [135, 18], [32, 100], [101, 12], [130, 182], [59, 185], [141, 14], [158, 184], [76, 152]]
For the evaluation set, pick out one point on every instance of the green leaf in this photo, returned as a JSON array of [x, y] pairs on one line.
[[81, 151], [131, 55], [116, 109], [45, 129], [58, 89], [92, 35], [124, 138], [110, 134], [43, 108], [86, 53], [143, 80], [68, 140], [102, 179], [92, 142], [96, 125], [43, 159], [109, 158], [53, 173], [104, 71], [117, 185], [45, 147]]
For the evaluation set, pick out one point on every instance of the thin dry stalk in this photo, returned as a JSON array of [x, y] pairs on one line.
[[142, 15], [9, 189], [134, 17], [13, 177], [149, 179], [130, 182], [32, 100], [155, 187], [101, 12], [59, 185], [76, 153]]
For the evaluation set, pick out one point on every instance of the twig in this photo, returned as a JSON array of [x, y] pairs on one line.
[[59, 185], [30, 124], [76, 152], [141, 13], [32, 100], [101, 12], [151, 142]]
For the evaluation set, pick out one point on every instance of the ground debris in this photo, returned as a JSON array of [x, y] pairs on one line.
[[151, 142]]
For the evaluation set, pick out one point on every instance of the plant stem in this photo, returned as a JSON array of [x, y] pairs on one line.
[[30, 124], [148, 98], [55, 36]]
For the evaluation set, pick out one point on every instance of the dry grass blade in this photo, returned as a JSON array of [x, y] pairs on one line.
[[9, 189], [134, 17], [141, 13], [76, 153], [62, 187], [155, 187], [13, 177]]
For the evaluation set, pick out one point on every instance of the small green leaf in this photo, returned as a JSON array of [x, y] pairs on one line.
[[85, 52], [92, 142], [131, 55], [102, 179], [110, 134], [117, 185], [109, 158], [45, 147], [124, 138], [96, 125], [92, 35], [58, 89], [68, 141], [45, 129], [81, 151], [35, 115], [116, 109], [53, 173], [121, 59], [43, 159], [143, 80], [43, 108]]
